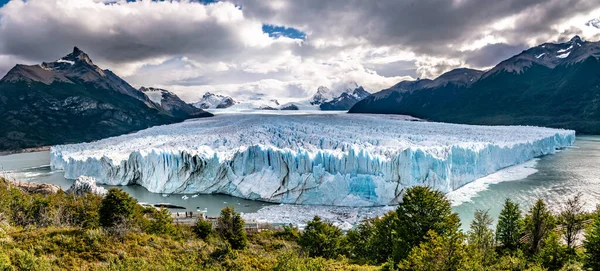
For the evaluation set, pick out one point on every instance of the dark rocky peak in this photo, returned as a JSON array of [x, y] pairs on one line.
[[78, 56], [576, 39], [360, 93]]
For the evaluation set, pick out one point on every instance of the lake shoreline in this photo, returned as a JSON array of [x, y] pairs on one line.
[[27, 150]]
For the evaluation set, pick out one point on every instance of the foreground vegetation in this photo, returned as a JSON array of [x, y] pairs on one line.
[[66, 232]]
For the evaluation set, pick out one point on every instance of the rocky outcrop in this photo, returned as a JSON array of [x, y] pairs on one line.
[[37, 188]]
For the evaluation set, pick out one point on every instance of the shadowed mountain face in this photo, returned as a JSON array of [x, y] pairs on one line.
[[555, 85], [172, 103], [73, 100]]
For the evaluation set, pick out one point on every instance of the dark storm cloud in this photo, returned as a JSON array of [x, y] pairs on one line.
[[492, 54], [424, 26], [397, 68], [124, 32]]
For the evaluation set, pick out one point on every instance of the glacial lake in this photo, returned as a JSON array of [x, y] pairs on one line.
[[554, 178]]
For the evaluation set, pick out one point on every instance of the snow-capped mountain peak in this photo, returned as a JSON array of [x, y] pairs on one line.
[[212, 101], [341, 97], [323, 94], [550, 55]]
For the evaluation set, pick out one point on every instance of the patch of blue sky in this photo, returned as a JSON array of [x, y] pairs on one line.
[[282, 31]]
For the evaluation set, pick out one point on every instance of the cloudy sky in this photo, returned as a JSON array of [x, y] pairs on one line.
[[285, 48]]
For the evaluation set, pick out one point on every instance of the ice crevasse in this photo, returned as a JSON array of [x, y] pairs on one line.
[[342, 160]]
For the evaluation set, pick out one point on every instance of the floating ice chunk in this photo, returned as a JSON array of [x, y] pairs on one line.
[[343, 159]]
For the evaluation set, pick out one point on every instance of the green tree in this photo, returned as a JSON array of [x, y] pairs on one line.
[[372, 240], [552, 255], [230, 227], [161, 223], [538, 224], [203, 228], [321, 239], [422, 209], [439, 252], [481, 237], [116, 207], [571, 219], [508, 230], [592, 244], [359, 240]]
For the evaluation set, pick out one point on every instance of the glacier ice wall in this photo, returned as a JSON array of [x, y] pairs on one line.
[[343, 160]]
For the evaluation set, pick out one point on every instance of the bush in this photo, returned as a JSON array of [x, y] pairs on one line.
[[321, 239], [203, 229], [116, 208], [289, 233], [592, 245], [26, 261], [161, 223], [5, 264]]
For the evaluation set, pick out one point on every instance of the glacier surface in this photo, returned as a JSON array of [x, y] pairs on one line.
[[318, 159]]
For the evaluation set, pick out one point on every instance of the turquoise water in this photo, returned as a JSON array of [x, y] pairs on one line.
[[558, 177]]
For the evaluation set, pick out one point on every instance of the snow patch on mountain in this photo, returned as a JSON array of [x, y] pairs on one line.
[[321, 159], [155, 95], [565, 55]]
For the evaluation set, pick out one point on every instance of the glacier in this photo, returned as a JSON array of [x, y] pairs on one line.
[[316, 159]]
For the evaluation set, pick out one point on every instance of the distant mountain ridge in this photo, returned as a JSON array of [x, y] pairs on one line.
[[553, 84], [73, 100], [342, 98]]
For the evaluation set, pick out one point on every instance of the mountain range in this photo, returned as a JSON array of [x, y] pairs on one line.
[[553, 84], [341, 98], [73, 100]]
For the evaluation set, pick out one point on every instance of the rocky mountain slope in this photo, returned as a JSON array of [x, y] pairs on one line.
[[172, 103], [72, 100], [553, 84]]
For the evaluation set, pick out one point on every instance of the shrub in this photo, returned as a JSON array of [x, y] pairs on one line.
[[116, 208], [203, 229], [161, 223], [592, 245], [289, 233]]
